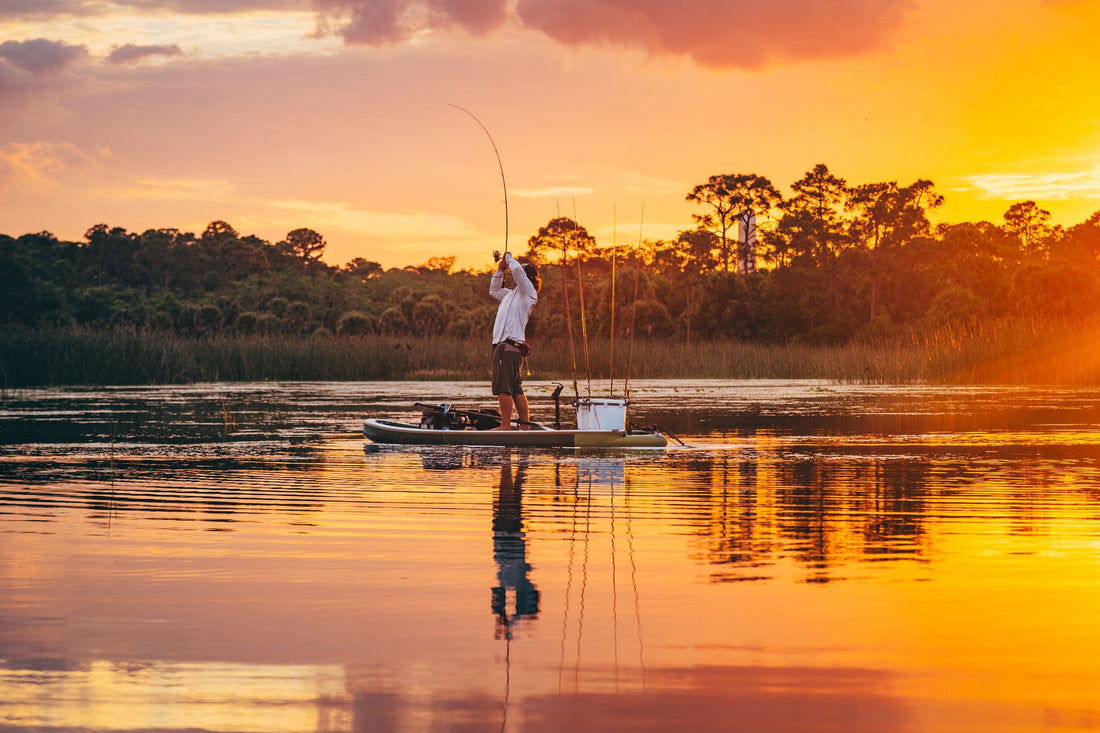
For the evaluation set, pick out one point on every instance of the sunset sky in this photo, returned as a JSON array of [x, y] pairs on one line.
[[335, 114]]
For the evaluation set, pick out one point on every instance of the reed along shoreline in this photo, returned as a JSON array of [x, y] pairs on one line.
[[1007, 353]]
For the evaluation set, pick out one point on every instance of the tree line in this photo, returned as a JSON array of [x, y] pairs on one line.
[[832, 263]]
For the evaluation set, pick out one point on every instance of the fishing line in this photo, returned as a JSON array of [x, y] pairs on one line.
[[499, 164]]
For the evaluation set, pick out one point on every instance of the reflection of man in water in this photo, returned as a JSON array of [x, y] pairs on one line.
[[510, 553]]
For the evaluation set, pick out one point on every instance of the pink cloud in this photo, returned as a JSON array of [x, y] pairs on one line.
[[213, 7], [80, 8], [27, 67], [715, 33], [721, 33], [40, 55], [33, 8], [132, 52], [380, 22]]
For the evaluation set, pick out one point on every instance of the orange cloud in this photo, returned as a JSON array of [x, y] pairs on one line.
[[1055, 186], [41, 164]]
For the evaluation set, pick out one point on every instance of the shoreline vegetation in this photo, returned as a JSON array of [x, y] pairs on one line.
[[844, 283], [1007, 352]]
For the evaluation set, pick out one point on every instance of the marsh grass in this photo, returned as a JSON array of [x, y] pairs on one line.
[[34, 358], [1014, 352], [736, 360], [1007, 352]]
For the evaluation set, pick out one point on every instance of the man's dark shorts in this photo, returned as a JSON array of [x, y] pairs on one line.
[[505, 369]]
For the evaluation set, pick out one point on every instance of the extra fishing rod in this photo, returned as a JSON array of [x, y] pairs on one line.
[[499, 164]]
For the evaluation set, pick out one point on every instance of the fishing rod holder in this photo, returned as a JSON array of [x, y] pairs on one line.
[[558, 387]]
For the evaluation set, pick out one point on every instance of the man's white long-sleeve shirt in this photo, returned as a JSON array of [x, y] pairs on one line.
[[515, 303]]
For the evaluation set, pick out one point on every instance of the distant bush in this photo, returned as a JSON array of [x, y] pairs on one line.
[[297, 316], [430, 316], [355, 323], [268, 323], [955, 304], [209, 319], [278, 306], [246, 322], [393, 321]]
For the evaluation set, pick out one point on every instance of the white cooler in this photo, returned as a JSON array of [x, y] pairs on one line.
[[595, 413]]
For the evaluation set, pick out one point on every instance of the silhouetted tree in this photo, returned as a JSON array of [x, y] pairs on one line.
[[305, 244], [885, 218], [1031, 226], [363, 269], [560, 235], [732, 197], [439, 264], [1081, 243], [812, 230]]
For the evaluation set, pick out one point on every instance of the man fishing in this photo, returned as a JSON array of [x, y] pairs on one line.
[[509, 336]]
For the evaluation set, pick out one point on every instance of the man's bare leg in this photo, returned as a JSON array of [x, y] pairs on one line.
[[505, 402], [522, 410]]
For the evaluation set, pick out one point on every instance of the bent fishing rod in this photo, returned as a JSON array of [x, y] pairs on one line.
[[499, 164]]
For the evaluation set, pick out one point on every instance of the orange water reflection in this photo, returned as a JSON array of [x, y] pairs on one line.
[[779, 583]]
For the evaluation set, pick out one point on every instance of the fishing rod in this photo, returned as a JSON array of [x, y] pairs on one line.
[[634, 309], [499, 164], [568, 315], [611, 360], [580, 298]]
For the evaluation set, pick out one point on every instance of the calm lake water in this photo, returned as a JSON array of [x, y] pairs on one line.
[[818, 557]]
